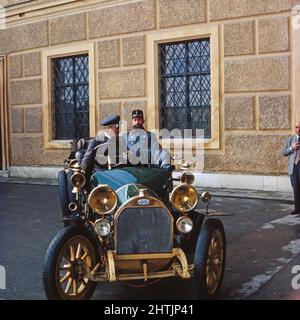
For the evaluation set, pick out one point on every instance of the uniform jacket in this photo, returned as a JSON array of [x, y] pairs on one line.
[[143, 144], [89, 156]]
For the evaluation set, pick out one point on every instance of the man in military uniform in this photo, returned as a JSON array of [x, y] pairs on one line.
[[97, 154], [140, 141], [143, 146]]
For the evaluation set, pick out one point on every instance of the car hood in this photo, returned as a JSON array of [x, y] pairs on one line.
[[152, 178]]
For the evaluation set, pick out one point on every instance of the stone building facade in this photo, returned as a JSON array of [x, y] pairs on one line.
[[254, 58]]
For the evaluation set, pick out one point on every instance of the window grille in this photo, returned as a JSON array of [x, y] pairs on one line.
[[70, 97], [185, 86]]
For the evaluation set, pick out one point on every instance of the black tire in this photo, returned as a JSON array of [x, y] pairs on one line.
[[52, 289], [71, 196], [212, 228], [63, 193]]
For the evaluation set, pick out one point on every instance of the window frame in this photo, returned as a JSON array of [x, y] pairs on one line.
[[47, 56], [186, 76], [153, 79]]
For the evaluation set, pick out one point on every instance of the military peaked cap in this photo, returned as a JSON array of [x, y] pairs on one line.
[[137, 114], [110, 120]]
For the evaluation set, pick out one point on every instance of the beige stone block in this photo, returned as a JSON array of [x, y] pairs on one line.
[[132, 17], [32, 64], [181, 12], [133, 50], [227, 9], [274, 112], [108, 52], [239, 113], [273, 34], [33, 119], [25, 92], [257, 74], [29, 151], [26, 150], [122, 84], [239, 38], [54, 157], [249, 154], [24, 37], [108, 108], [128, 107], [17, 120], [68, 28], [15, 66]]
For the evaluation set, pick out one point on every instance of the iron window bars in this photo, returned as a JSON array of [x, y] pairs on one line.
[[70, 97], [185, 86]]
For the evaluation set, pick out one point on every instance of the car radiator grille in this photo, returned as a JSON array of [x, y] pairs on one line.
[[144, 230]]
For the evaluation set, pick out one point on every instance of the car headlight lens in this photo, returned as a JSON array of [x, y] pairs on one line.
[[102, 228], [78, 180], [103, 200], [184, 224], [184, 198]]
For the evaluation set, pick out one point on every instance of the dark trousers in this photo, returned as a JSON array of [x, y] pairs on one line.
[[295, 180]]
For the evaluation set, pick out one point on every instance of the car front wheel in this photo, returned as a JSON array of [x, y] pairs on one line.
[[71, 251], [209, 261]]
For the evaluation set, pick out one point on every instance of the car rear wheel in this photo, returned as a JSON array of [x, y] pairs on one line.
[[209, 261], [69, 254]]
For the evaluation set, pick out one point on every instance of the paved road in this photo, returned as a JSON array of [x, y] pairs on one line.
[[263, 245]]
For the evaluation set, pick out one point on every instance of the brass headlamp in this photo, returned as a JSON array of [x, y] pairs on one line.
[[184, 198], [78, 181], [103, 200], [187, 177]]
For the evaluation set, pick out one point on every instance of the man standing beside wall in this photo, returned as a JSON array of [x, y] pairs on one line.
[[292, 149]]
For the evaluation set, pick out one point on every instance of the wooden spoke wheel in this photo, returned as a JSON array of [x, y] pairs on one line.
[[214, 262], [69, 255], [209, 262], [75, 256]]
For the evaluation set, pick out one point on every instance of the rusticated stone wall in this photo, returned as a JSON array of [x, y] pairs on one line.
[[7, 3], [257, 85], [256, 109]]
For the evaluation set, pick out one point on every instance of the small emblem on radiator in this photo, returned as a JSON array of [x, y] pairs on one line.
[[143, 202]]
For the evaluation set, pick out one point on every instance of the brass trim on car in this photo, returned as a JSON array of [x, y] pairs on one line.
[[179, 267], [185, 274], [141, 256], [110, 266]]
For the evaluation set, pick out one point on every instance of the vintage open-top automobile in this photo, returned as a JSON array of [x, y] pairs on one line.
[[130, 224]]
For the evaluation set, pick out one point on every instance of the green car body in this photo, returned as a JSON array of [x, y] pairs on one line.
[[157, 180]]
